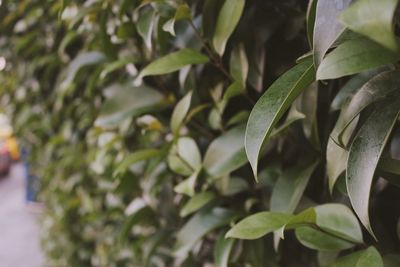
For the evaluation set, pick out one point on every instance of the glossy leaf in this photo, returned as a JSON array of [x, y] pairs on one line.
[[364, 155], [327, 28], [228, 18], [374, 90], [374, 19], [145, 25], [226, 153], [271, 107], [351, 87], [354, 56]]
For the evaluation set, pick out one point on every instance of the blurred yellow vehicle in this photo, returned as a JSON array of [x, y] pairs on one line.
[[8, 146]]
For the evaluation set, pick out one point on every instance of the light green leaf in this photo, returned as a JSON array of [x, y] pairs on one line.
[[354, 56], [179, 113], [187, 186], [327, 28], [226, 153], [199, 225], [228, 18], [181, 13], [184, 157], [238, 65], [365, 152], [135, 157], [290, 187], [196, 202], [222, 251], [335, 228], [258, 225], [367, 257], [336, 160], [271, 107], [314, 239], [373, 19], [125, 101], [173, 62], [233, 90]]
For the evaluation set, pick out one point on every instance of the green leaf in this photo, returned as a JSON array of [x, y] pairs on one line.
[[336, 160], [310, 20], [196, 202], [374, 90], [115, 66], [374, 19], [318, 240], [145, 25], [354, 56], [271, 107], [327, 29], [180, 112], [258, 225], [335, 228], [173, 62], [367, 257], [80, 61], [135, 157], [238, 65], [290, 187], [199, 225], [125, 101], [181, 13], [226, 153], [222, 251], [228, 18], [365, 152], [351, 87], [187, 186], [184, 157]]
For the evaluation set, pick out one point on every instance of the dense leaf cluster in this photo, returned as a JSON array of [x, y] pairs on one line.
[[209, 133]]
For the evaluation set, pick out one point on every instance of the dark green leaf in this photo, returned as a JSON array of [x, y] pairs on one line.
[[364, 155], [271, 107], [354, 56]]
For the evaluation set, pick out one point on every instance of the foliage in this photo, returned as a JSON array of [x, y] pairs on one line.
[[157, 144]]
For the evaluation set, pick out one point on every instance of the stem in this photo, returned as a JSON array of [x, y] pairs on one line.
[[215, 59]]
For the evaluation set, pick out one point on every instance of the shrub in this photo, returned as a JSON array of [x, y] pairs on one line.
[[156, 144]]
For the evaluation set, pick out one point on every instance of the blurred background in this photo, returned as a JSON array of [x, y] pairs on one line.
[[19, 210]]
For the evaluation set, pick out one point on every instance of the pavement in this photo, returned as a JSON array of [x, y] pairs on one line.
[[19, 228]]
